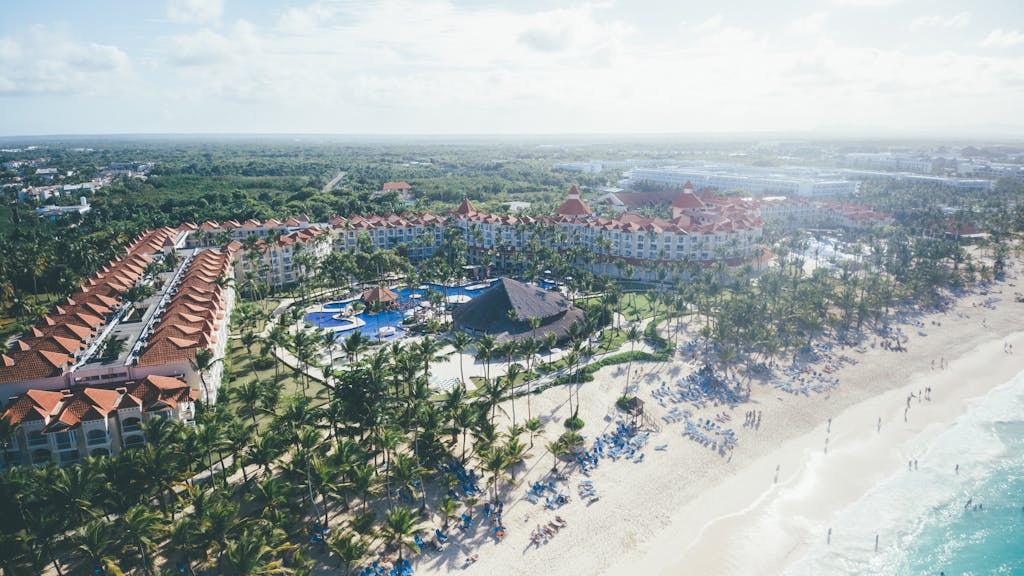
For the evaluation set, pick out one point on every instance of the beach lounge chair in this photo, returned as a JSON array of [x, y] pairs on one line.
[[440, 535], [419, 542], [407, 568]]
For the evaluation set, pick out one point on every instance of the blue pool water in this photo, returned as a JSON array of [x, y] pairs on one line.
[[392, 318], [923, 516]]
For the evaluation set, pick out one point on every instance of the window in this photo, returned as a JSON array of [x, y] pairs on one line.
[[36, 438], [134, 441], [41, 456], [65, 440], [132, 424], [99, 452], [97, 437]]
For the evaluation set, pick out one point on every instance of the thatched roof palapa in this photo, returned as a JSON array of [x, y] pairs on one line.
[[379, 294], [505, 311]]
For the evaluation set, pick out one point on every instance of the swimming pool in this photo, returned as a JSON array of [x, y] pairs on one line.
[[373, 322]]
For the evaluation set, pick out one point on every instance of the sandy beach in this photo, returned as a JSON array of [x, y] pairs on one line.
[[687, 509]]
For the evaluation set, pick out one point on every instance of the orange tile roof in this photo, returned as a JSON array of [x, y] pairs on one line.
[[33, 405], [158, 392]]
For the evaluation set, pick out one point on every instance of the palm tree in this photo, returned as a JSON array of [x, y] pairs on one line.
[[633, 335], [461, 343], [512, 374], [278, 339], [534, 426], [142, 528], [495, 460], [96, 543], [186, 536], [429, 351], [364, 481], [515, 453], [248, 394], [399, 526], [349, 548], [355, 345], [257, 552], [203, 362], [557, 449], [446, 508], [484, 350]]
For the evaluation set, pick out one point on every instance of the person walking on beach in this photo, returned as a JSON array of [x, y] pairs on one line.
[[878, 428]]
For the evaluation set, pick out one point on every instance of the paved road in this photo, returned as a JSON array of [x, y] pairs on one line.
[[334, 182]]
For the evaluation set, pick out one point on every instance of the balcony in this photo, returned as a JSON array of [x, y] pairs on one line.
[[97, 438], [36, 439], [131, 425]]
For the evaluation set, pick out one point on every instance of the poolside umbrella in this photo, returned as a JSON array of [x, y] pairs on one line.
[[381, 294]]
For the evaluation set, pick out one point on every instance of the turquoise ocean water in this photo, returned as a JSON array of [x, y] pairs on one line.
[[924, 523]]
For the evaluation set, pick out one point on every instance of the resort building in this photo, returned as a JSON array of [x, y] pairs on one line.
[[211, 233], [98, 338], [273, 259], [701, 229], [750, 179], [803, 213], [419, 233], [64, 426]]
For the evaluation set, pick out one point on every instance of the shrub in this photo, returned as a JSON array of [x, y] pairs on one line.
[[623, 402]]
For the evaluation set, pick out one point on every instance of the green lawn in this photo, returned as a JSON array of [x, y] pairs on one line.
[[290, 384]]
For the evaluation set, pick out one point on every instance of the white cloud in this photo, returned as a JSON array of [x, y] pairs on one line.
[[713, 23], [811, 24], [866, 3], [51, 60], [999, 38], [960, 20], [195, 10]]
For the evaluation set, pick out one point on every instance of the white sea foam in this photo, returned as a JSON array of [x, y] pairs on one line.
[[904, 505]]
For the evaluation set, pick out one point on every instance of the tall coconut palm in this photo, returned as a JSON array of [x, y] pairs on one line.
[[348, 548], [428, 351], [142, 529], [364, 481], [257, 551], [97, 545], [203, 362], [535, 427], [400, 525], [461, 342], [484, 349], [513, 373], [186, 536], [494, 460], [633, 336]]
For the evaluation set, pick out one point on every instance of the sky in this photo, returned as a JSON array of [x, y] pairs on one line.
[[882, 67]]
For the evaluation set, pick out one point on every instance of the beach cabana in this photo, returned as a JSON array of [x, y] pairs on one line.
[[506, 309]]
